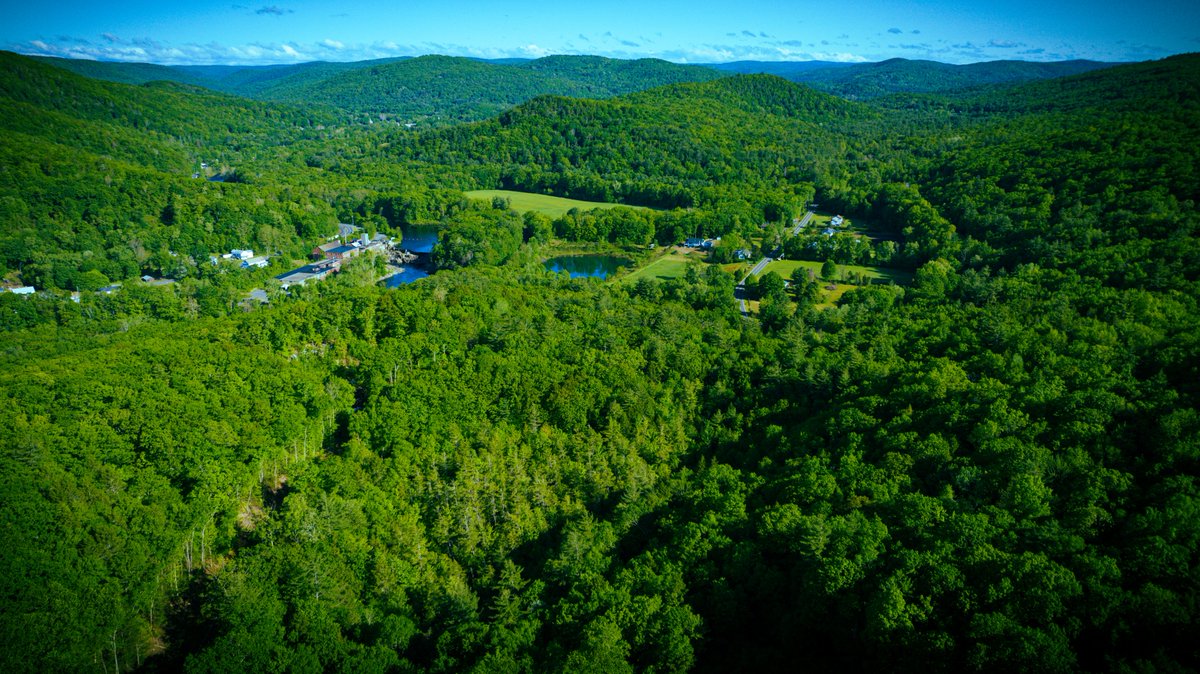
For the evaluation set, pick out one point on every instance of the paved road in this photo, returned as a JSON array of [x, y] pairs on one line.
[[801, 223], [762, 264], [740, 290]]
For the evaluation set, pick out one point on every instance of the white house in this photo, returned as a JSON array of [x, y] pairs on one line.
[[242, 254]]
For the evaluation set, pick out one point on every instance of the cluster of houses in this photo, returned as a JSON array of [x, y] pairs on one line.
[[330, 256], [707, 244], [835, 221]]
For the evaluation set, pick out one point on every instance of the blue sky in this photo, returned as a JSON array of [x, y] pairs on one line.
[[284, 31]]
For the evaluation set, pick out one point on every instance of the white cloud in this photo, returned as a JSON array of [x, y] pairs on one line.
[[152, 51], [782, 51], [535, 51]]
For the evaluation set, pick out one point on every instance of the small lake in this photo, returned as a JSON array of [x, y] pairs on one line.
[[408, 275], [598, 266], [415, 239], [419, 238]]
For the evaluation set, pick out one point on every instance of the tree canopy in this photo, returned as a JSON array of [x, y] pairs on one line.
[[991, 468]]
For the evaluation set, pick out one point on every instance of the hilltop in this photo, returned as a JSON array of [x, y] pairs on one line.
[[443, 89], [864, 81], [435, 89], [660, 147], [171, 120]]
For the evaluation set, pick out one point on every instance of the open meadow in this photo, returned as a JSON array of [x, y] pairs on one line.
[[672, 265], [551, 206], [876, 274]]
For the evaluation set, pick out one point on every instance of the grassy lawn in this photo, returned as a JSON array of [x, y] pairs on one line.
[[878, 274], [828, 298], [551, 206], [820, 221], [669, 266]]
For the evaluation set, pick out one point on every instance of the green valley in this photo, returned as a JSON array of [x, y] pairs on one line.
[[978, 452]]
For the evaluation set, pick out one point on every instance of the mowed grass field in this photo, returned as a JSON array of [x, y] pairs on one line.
[[669, 266], [880, 274], [551, 206]]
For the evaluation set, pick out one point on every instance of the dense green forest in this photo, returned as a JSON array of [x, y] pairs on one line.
[[451, 88], [497, 468], [430, 90], [863, 81], [437, 89]]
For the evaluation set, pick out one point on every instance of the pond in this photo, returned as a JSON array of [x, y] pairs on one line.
[[407, 274], [419, 238], [598, 266]]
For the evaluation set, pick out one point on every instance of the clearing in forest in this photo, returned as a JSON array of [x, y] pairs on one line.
[[670, 266], [877, 274], [551, 206], [832, 292]]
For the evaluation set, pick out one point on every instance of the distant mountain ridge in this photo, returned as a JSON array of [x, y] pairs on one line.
[[436, 88], [446, 88], [1125, 87], [862, 81], [449, 88], [156, 123], [789, 70]]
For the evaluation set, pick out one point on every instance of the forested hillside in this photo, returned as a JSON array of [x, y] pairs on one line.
[[735, 152], [992, 468], [443, 88], [680, 138], [103, 181], [133, 73], [431, 89], [376, 86], [863, 81], [788, 70]]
